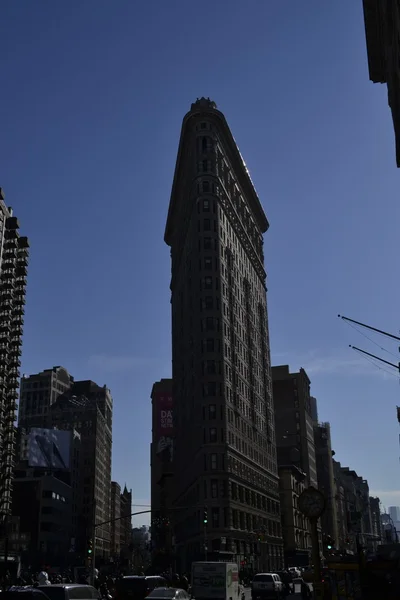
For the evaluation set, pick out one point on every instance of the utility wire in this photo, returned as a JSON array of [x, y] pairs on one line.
[[371, 340]]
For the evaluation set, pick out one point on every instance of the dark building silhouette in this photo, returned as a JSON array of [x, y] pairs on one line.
[[382, 30], [38, 392], [222, 391], [162, 472], [294, 421], [115, 525], [87, 408], [13, 272], [126, 527]]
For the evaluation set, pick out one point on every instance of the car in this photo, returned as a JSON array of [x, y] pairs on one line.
[[136, 587], [165, 593], [266, 586], [69, 591]]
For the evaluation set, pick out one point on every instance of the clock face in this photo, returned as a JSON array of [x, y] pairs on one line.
[[312, 503]]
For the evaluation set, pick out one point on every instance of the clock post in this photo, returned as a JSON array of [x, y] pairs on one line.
[[312, 505]]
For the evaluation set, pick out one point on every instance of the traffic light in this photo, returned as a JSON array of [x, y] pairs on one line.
[[205, 516], [90, 548]]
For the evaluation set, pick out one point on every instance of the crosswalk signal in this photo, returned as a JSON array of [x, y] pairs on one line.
[[90, 547], [205, 516]]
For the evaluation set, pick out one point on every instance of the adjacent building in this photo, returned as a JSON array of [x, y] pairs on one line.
[[394, 512], [126, 522], [326, 481], [376, 520], [37, 394], [295, 526], [294, 421], [225, 447], [87, 408], [382, 30], [355, 524], [162, 472], [14, 252], [115, 525]]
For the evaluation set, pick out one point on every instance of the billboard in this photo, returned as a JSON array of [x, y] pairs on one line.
[[164, 426], [49, 448]]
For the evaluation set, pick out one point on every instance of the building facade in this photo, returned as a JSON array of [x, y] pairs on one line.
[[162, 472], [14, 252], [126, 522], [326, 481], [115, 526], [38, 392], [87, 408], [294, 421], [295, 526], [376, 520], [353, 510], [382, 30], [225, 435]]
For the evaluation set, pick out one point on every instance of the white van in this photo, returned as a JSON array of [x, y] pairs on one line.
[[215, 581]]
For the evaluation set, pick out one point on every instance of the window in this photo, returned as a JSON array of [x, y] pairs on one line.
[[213, 435], [214, 464], [207, 243], [210, 345], [206, 187], [214, 488], [203, 125], [209, 324], [207, 225], [210, 367], [208, 302], [206, 205], [205, 166], [215, 517], [208, 263], [208, 283], [212, 411], [210, 389]]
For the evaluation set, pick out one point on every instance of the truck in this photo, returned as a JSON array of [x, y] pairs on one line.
[[215, 581]]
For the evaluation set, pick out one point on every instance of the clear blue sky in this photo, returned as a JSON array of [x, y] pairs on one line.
[[92, 98]]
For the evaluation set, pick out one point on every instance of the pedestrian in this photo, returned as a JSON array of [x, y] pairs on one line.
[[305, 590]]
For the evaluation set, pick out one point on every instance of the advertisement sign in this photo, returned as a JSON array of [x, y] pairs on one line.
[[164, 426], [49, 448]]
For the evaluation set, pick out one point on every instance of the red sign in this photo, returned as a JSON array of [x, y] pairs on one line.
[[164, 416]]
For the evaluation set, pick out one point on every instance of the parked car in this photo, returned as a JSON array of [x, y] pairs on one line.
[[134, 587], [69, 591], [164, 593], [266, 586]]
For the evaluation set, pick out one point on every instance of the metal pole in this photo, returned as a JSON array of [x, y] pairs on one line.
[[315, 555], [395, 337], [376, 357], [205, 542]]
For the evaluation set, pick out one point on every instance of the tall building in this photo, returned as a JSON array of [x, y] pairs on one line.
[[14, 251], [394, 512], [314, 409], [295, 526], [326, 480], [87, 408], [115, 525], [162, 472], [294, 421], [377, 529], [224, 428], [126, 521], [45, 495], [382, 30], [38, 392]]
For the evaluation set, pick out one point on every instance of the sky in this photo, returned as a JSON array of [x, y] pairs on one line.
[[92, 99]]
